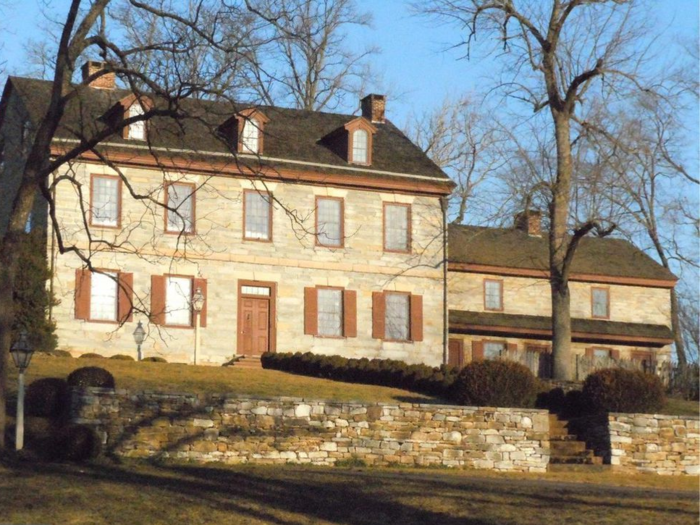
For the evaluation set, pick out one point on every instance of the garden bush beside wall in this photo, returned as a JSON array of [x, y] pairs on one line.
[[620, 390]]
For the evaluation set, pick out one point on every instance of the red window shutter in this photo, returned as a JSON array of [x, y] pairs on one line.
[[416, 317], [350, 313], [477, 350], [615, 354], [83, 280], [512, 347], [310, 311], [378, 315], [455, 356], [202, 285], [125, 312], [158, 299], [590, 352]]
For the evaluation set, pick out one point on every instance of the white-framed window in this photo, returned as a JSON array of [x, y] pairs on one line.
[[360, 146], [397, 316], [258, 216], [250, 136], [493, 294], [330, 312], [103, 296], [493, 350], [137, 130], [178, 301], [397, 227], [105, 200], [256, 290], [600, 302], [329, 221], [601, 353], [180, 198]]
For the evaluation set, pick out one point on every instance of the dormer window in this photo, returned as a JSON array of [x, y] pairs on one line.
[[137, 130], [250, 137], [360, 147]]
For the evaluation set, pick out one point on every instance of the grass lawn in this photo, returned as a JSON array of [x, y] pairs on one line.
[[681, 407], [216, 379], [180, 493]]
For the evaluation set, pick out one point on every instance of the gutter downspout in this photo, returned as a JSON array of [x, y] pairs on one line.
[[445, 313]]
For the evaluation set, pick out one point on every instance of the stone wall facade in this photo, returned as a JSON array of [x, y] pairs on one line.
[[234, 430], [648, 443]]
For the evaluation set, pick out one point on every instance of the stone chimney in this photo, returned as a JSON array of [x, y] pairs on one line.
[[373, 107], [529, 221], [105, 81]]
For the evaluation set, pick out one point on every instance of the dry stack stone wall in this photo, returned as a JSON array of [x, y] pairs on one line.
[[292, 430]]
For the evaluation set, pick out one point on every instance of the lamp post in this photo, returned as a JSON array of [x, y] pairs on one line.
[[197, 305], [21, 354], [139, 336]]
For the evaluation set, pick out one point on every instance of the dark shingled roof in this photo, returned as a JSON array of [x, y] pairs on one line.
[[290, 133], [513, 248], [459, 319]]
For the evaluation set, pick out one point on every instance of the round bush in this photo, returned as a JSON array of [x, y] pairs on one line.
[[76, 443], [620, 390], [496, 384], [122, 357], [91, 355], [153, 360], [91, 376], [48, 397]]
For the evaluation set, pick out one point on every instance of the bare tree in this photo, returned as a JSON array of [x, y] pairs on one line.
[[555, 55]]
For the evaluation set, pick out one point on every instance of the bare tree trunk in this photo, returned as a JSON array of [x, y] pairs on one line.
[[677, 329]]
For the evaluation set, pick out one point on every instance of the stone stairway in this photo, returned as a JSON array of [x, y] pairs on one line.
[[566, 449], [248, 361]]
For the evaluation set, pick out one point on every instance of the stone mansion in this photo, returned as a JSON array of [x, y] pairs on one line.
[[303, 231]]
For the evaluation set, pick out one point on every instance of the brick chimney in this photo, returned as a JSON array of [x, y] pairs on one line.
[[373, 107], [105, 81], [529, 221]]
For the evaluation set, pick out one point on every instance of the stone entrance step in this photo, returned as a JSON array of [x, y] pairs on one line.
[[248, 361], [566, 448]]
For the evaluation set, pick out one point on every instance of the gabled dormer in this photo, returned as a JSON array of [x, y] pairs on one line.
[[130, 106], [245, 131], [354, 141]]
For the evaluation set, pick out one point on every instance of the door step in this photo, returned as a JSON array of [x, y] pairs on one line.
[[248, 361], [567, 449]]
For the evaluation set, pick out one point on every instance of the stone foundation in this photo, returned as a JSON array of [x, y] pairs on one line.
[[291, 430]]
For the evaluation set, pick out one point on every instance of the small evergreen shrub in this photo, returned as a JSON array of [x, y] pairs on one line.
[[57, 353], [621, 390], [48, 397], [495, 383], [91, 376], [91, 355], [122, 357], [76, 443], [153, 360]]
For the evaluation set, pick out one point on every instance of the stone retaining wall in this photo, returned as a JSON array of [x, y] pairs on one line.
[[292, 430], [644, 442]]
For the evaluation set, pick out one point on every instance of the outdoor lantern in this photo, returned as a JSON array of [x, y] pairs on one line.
[[22, 352], [139, 336], [198, 300]]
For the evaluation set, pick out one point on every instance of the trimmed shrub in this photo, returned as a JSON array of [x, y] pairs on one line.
[[57, 353], [91, 376], [76, 443], [153, 360], [48, 397], [122, 357], [495, 383], [621, 390], [91, 355]]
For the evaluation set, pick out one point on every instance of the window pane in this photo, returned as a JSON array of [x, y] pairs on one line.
[[251, 136], [493, 350], [257, 216], [255, 290], [396, 228], [330, 312], [601, 353], [493, 295], [359, 146], [178, 296], [105, 201], [397, 316], [600, 303], [137, 130], [180, 198], [329, 222], [103, 296]]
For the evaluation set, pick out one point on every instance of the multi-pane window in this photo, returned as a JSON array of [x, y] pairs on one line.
[[601, 353], [330, 312], [397, 234], [257, 221], [180, 215], [178, 299], [105, 201], [329, 221], [360, 146], [493, 294], [398, 317], [103, 296], [250, 137], [137, 130], [601, 302], [493, 350]]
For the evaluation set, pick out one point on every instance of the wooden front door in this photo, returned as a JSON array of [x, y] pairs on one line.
[[455, 355], [255, 326]]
